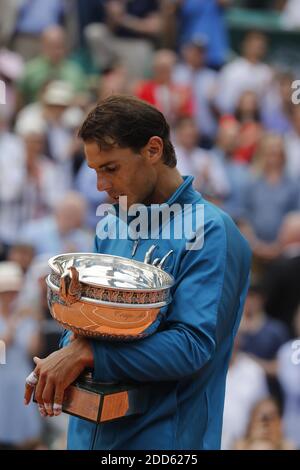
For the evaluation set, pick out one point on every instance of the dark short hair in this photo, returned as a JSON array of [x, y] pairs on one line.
[[127, 122]]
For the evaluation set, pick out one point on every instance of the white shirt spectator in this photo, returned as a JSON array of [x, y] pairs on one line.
[[289, 378], [239, 76], [188, 162], [23, 199], [245, 386], [207, 170], [291, 15], [12, 174], [12, 165], [59, 137]]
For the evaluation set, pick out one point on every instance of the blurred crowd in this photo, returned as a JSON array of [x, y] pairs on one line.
[[235, 129]]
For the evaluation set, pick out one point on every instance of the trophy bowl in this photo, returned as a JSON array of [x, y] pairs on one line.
[[106, 296]]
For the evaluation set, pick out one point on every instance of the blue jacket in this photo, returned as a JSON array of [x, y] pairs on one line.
[[184, 363]]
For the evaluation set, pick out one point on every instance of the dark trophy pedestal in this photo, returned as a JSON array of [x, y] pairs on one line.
[[97, 402]]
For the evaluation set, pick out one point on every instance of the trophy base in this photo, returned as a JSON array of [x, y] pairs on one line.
[[97, 402]]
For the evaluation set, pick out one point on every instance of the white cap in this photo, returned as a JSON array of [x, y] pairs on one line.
[[29, 125], [73, 117], [11, 276], [58, 93]]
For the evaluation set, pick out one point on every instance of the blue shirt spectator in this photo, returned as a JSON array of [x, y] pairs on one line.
[[265, 342], [34, 20], [235, 174], [44, 236], [207, 18], [271, 193], [192, 71], [266, 204], [63, 232]]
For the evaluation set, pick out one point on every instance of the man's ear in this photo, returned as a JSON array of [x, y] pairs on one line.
[[153, 150]]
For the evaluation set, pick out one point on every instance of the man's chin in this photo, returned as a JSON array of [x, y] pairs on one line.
[[124, 202]]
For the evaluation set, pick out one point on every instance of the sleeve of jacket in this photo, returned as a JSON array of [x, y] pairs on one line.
[[189, 339]]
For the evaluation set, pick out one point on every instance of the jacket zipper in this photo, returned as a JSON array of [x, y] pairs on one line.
[[134, 247]]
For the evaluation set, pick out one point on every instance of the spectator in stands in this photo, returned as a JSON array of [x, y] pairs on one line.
[[87, 13], [32, 21], [245, 385], [43, 185], [127, 34], [292, 145], [12, 175], [11, 68], [63, 232], [33, 298], [189, 155], [247, 114], [270, 194], [265, 429], [30, 183], [192, 160], [289, 378], [51, 64], [52, 109], [276, 106], [20, 426], [114, 80], [235, 174], [245, 73], [21, 254], [193, 72], [206, 18], [8, 18], [291, 15], [261, 336], [282, 275], [172, 99]]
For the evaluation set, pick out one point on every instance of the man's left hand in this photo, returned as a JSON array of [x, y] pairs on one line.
[[55, 373]]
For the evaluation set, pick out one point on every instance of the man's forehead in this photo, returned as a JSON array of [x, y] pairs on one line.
[[96, 156]]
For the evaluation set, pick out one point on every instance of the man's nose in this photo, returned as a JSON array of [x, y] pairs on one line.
[[103, 183]]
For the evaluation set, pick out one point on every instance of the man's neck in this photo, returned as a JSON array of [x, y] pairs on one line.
[[167, 183]]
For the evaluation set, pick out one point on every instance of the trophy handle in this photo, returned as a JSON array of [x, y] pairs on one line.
[[164, 259], [149, 253], [156, 261], [70, 287], [159, 262]]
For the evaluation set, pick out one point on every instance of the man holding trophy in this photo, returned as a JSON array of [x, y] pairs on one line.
[[169, 305]]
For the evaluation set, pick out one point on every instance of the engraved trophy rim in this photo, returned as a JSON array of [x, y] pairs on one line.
[[56, 289]]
